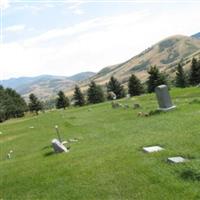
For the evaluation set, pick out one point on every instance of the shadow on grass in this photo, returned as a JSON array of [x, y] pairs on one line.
[[190, 174], [50, 153], [195, 101], [46, 147]]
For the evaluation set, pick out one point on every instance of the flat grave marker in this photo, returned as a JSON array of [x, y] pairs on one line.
[[177, 159], [152, 149]]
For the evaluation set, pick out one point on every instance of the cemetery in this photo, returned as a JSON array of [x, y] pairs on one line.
[[146, 147]]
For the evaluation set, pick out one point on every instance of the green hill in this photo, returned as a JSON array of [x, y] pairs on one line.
[[107, 162]]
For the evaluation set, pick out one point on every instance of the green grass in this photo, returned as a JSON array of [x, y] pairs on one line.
[[107, 162]]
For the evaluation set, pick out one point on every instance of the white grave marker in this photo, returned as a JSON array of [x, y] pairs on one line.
[[177, 159], [152, 149], [58, 146]]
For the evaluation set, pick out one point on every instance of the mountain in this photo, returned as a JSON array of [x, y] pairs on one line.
[[45, 86], [197, 35], [166, 54], [81, 76], [18, 82]]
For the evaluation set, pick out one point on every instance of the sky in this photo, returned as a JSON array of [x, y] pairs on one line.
[[65, 37]]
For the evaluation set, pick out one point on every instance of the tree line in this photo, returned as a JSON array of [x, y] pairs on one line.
[[13, 105], [115, 90]]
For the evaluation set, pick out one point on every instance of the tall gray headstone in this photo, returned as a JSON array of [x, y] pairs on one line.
[[164, 99]]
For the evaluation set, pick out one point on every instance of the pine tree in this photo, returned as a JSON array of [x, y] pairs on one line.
[[155, 79], [134, 86], [11, 104], [78, 97], [35, 105], [115, 86], [195, 72], [16, 105], [62, 101], [95, 93], [180, 80]]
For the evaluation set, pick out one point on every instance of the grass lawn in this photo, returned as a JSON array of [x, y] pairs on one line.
[[107, 162]]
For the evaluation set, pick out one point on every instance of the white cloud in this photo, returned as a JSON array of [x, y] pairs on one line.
[[15, 28], [88, 26], [4, 4], [94, 44], [57, 33]]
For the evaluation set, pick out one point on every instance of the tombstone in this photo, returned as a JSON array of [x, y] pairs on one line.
[[58, 146], [177, 159], [152, 149], [164, 99], [112, 96]]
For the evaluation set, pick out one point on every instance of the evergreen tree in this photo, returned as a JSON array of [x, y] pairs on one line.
[[3, 101], [115, 86], [180, 80], [155, 79], [95, 93], [62, 101], [16, 105], [195, 72], [11, 104], [35, 105], [78, 97], [49, 104], [134, 86]]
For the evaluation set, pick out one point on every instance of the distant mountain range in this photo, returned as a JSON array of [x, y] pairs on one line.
[[166, 54], [197, 35], [45, 86]]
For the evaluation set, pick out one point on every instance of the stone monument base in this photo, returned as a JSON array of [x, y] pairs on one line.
[[167, 109]]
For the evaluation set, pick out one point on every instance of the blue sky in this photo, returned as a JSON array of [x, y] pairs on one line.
[[67, 37]]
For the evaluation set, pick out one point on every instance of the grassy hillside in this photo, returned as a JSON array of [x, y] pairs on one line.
[[107, 162], [166, 54]]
